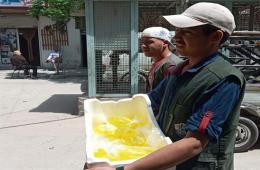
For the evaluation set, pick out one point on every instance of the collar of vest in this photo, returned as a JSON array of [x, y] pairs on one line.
[[203, 63], [198, 66]]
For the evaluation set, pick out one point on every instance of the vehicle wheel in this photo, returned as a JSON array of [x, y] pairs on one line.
[[246, 134], [126, 77], [142, 78]]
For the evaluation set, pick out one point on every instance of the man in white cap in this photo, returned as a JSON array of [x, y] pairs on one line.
[[199, 103], [156, 43]]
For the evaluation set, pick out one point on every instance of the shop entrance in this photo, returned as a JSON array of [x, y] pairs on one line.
[[29, 45]]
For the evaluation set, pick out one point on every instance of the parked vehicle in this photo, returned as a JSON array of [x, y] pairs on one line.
[[247, 132]]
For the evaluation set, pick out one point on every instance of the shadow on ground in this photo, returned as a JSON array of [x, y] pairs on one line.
[[60, 103]]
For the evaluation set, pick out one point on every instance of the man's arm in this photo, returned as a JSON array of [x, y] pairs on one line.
[[172, 154], [168, 156], [213, 109], [156, 94], [23, 60]]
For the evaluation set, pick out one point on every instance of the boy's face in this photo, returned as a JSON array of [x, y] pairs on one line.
[[152, 47], [191, 41]]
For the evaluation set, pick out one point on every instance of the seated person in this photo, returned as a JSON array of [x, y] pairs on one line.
[[55, 58], [20, 62]]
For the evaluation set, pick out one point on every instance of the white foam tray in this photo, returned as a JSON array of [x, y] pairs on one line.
[[139, 103]]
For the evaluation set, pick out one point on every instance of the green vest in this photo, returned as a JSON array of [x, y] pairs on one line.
[[218, 155], [160, 69]]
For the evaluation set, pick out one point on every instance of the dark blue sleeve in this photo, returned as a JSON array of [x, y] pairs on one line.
[[219, 101], [156, 95]]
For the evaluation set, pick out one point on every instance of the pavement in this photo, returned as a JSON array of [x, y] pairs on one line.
[[39, 125], [40, 128]]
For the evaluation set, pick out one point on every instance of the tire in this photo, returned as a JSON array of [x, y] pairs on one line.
[[246, 134], [126, 77], [142, 78]]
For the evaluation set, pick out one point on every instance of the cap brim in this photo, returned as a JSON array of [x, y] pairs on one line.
[[182, 21]]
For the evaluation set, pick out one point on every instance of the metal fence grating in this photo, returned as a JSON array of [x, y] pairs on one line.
[[112, 45], [247, 15]]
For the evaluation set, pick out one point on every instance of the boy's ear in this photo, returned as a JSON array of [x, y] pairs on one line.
[[217, 36], [166, 42]]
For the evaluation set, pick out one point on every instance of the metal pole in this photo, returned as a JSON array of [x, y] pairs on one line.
[[90, 49], [134, 47]]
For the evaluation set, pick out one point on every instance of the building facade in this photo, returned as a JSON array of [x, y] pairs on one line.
[[18, 30]]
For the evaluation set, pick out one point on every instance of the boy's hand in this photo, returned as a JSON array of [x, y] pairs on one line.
[[98, 166]]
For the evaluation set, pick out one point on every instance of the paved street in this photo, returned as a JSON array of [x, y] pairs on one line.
[[248, 160], [39, 128]]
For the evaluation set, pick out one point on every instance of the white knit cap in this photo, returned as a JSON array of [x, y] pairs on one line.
[[17, 52], [157, 32], [203, 13]]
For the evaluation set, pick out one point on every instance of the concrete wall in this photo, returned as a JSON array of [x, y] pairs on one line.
[[17, 21], [71, 53]]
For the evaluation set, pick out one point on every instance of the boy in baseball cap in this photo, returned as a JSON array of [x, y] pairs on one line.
[[200, 101]]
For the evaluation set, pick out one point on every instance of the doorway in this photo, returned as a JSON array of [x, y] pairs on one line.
[[29, 45], [84, 50]]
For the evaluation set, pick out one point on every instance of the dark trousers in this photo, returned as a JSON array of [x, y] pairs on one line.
[[27, 69]]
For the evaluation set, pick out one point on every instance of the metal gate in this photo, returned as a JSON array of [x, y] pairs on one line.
[[112, 45]]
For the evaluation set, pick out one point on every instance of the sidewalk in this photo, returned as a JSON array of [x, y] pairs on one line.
[[39, 126], [45, 73]]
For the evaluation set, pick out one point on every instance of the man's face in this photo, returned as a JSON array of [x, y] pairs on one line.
[[152, 47], [191, 41]]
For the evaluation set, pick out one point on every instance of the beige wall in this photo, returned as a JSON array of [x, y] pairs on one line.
[[71, 53], [17, 21]]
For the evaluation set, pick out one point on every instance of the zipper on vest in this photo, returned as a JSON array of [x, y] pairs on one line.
[[169, 122]]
